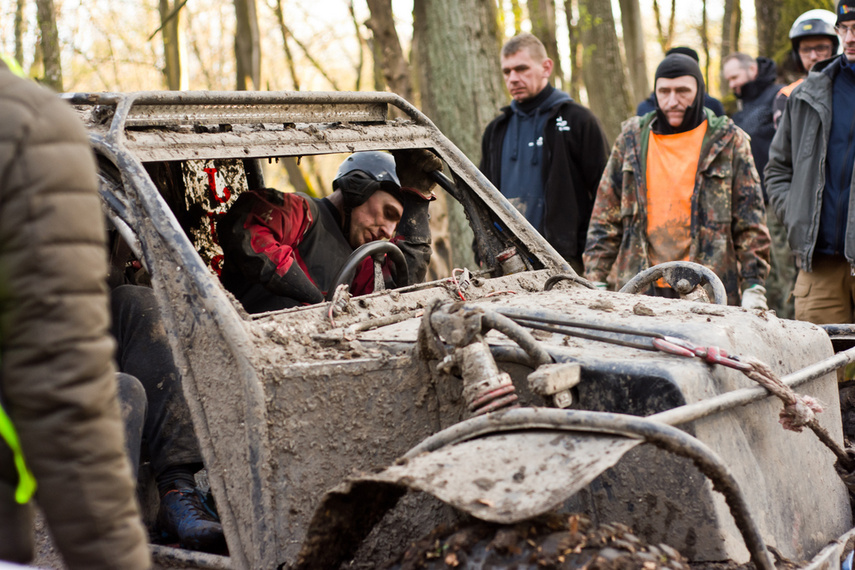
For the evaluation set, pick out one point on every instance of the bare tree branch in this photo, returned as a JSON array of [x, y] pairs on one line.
[[361, 42], [20, 28], [289, 59], [396, 69], [671, 20], [169, 17], [286, 34]]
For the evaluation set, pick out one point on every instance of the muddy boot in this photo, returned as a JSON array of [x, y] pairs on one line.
[[183, 516]]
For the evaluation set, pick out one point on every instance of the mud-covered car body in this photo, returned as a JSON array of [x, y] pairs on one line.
[[293, 404]]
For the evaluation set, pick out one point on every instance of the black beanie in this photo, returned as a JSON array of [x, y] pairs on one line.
[[685, 51], [678, 65], [845, 11]]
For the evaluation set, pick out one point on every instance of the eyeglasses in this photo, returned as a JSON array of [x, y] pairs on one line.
[[818, 50], [844, 31]]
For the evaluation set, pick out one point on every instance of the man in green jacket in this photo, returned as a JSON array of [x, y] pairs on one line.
[[57, 380], [681, 185]]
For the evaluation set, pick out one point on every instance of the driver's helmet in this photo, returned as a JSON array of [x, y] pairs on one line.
[[814, 23], [363, 173]]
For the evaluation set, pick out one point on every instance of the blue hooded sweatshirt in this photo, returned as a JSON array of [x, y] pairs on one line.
[[522, 153]]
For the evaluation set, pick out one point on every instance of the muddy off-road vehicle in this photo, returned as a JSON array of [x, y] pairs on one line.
[[505, 415]]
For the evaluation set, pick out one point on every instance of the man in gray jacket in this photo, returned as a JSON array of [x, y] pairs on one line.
[[809, 181], [57, 380]]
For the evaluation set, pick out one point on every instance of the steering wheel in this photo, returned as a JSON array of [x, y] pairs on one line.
[[683, 276], [373, 249]]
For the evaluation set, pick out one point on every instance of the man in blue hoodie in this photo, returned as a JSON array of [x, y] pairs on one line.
[[545, 153], [809, 181]]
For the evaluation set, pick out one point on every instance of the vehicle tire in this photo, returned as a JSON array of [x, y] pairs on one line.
[[553, 541]]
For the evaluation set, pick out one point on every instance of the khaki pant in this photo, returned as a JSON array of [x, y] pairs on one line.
[[826, 295]]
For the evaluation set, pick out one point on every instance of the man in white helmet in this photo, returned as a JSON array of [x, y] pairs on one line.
[[813, 39]]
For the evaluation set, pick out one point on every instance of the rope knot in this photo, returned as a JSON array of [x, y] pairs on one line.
[[799, 413]]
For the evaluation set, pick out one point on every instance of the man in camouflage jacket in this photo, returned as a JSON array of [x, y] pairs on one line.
[[727, 232]]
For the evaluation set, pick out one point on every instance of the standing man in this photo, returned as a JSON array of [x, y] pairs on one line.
[[809, 178], [681, 185], [813, 39], [753, 83], [545, 153], [59, 417]]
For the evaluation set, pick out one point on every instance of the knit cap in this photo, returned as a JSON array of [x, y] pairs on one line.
[[845, 11]]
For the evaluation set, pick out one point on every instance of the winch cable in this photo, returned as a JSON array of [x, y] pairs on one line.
[[799, 411]]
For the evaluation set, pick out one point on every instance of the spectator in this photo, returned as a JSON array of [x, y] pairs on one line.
[[282, 250], [753, 83], [693, 195], [809, 179], [57, 381], [813, 39], [710, 102], [551, 160]]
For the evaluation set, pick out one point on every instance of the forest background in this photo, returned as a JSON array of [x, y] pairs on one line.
[[442, 55]]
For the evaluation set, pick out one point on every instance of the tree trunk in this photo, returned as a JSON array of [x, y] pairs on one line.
[[542, 16], [575, 50], [516, 10], [729, 37], [604, 72], [50, 45], [705, 43], [20, 29], [362, 44], [170, 14], [286, 33], [633, 41], [461, 83], [247, 46], [396, 69], [768, 13], [730, 27]]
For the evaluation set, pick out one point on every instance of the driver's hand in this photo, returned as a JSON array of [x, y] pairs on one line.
[[414, 167]]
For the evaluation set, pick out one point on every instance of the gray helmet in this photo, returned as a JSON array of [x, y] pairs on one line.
[[814, 23], [376, 164], [363, 173]]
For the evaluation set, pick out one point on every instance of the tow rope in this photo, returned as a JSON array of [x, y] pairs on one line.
[[799, 410]]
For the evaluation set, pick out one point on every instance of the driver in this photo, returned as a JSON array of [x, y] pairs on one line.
[[282, 250]]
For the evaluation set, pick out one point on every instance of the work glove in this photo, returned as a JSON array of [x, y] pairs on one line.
[[600, 285], [414, 167], [294, 284], [754, 297]]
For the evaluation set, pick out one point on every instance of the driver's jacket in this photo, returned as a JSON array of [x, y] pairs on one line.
[[728, 219], [272, 230]]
